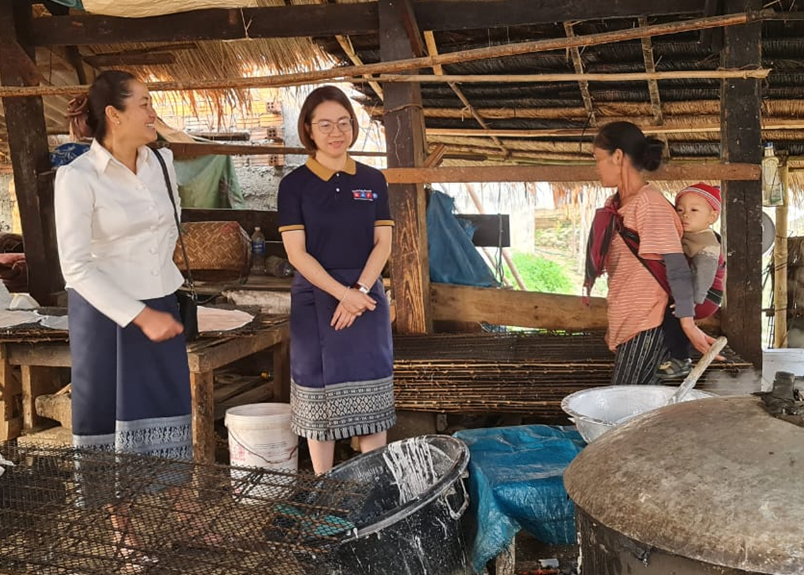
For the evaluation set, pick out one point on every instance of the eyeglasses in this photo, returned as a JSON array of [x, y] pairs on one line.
[[325, 126]]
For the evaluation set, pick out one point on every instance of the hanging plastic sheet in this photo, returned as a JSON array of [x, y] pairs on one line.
[[453, 257], [209, 182], [516, 482]]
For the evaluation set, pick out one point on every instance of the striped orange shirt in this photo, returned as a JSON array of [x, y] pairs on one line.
[[636, 301]]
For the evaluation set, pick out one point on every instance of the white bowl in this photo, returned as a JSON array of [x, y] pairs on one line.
[[598, 409]]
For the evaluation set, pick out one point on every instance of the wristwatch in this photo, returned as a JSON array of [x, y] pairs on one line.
[[361, 288]]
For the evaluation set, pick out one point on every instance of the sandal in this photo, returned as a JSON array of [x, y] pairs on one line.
[[674, 369]]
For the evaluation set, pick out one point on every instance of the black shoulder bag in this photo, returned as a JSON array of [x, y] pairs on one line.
[[187, 297]]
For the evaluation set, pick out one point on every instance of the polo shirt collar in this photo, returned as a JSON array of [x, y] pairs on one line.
[[325, 173], [101, 157]]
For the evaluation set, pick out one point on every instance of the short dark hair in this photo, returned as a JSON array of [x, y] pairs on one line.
[[110, 88], [645, 152], [315, 99]]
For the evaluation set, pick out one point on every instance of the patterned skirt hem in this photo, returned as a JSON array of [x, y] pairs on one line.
[[344, 432]]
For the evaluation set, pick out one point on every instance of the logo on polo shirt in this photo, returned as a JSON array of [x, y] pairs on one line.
[[364, 195]]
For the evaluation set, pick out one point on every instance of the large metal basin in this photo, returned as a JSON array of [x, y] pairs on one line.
[[596, 410]]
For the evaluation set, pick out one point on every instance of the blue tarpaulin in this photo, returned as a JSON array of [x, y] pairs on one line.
[[516, 482], [453, 257]]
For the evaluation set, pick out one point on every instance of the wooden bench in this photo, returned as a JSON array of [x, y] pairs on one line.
[[38, 360]]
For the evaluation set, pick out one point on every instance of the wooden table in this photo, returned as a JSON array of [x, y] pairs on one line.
[[38, 359]]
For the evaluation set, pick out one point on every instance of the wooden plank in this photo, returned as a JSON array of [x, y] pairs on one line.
[[329, 20], [221, 352], [201, 387], [404, 126], [524, 308], [780, 295], [27, 140], [213, 24], [46, 354], [36, 381], [741, 139], [518, 308], [681, 171]]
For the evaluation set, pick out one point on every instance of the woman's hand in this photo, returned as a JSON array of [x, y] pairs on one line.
[[698, 338], [352, 306], [157, 325]]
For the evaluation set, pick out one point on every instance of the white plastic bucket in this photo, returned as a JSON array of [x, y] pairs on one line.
[[260, 436]]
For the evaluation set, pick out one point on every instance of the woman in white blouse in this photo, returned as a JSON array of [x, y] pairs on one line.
[[116, 235]]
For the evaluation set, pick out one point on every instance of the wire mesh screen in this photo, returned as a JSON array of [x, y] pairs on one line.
[[76, 512]]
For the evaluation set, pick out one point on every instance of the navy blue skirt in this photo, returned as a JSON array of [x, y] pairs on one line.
[[342, 382], [129, 394]]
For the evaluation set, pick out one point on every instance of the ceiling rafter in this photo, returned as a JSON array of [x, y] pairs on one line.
[[577, 63], [432, 49], [653, 84]]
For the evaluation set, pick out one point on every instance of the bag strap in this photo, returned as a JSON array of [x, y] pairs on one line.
[[176, 218]]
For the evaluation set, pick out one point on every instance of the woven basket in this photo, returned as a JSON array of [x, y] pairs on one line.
[[218, 251]]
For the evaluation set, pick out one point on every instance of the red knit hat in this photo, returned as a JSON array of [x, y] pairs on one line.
[[710, 193]]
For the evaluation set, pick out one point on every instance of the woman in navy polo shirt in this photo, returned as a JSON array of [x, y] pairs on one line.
[[336, 227]]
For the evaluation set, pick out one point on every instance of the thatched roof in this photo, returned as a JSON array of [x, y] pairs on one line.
[[686, 111]]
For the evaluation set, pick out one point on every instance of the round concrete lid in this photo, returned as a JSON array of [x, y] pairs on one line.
[[716, 480]]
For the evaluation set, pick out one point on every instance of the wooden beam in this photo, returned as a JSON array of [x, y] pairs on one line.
[[523, 308], [391, 65], [410, 23], [27, 140], [111, 60], [583, 84], [404, 126], [184, 150], [519, 308], [213, 24], [741, 138], [330, 20], [670, 172], [435, 157], [653, 85], [578, 133]]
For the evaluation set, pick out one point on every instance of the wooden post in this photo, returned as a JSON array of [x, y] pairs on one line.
[[201, 388], [405, 142], [740, 138], [10, 399], [27, 140], [780, 266]]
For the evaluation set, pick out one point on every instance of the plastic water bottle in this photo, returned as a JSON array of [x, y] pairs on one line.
[[772, 189], [257, 252], [278, 267]]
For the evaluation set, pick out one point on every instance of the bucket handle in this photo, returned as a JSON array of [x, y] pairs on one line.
[[456, 515], [268, 461]]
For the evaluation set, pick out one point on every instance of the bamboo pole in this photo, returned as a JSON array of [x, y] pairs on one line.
[[506, 255], [340, 73], [780, 266], [575, 133], [758, 73]]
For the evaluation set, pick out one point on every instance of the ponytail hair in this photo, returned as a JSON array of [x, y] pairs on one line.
[[644, 152], [110, 88]]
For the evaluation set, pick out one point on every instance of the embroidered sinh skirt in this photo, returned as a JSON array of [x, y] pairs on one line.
[[341, 381], [129, 394]]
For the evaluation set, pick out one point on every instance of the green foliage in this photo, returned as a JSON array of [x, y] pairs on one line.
[[540, 274]]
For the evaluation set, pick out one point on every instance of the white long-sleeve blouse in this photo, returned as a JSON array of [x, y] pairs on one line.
[[115, 230]]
